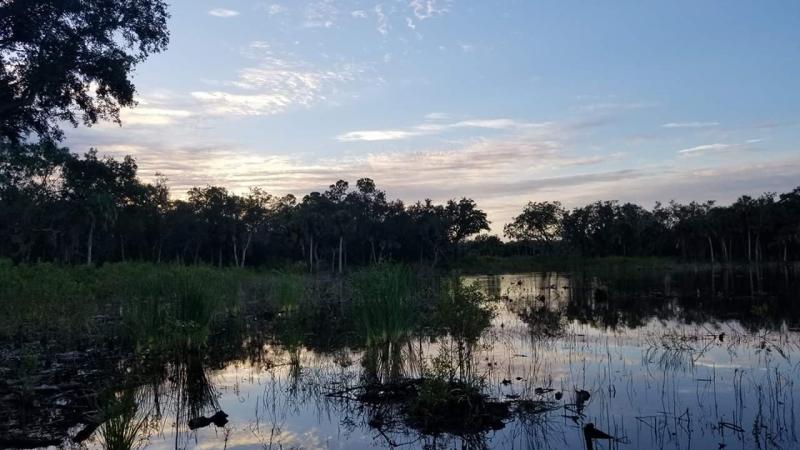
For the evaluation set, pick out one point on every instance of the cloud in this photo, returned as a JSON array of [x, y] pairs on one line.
[[430, 128], [276, 84], [224, 103], [437, 116], [425, 9], [706, 148], [375, 135], [223, 13], [271, 9], [611, 106], [153, 116], [383, 21], [321, 14], [690, 125]]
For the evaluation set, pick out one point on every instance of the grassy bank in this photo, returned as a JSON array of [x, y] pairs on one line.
[[165, 302], [48, 297]]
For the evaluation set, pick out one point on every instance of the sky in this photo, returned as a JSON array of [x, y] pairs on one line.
[[503, 101]]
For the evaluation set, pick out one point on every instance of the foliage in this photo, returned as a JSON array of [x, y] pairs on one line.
[[539, 222], [383, 299], [70, 61], [461, 310], [57, 206]]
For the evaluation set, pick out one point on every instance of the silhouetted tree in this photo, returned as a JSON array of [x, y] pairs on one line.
[[70, 61], [540, 222]]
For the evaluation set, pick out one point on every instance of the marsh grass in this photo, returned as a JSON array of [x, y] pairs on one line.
[[125, 423], [152, 301], [176, 306], [45, 297], [383, 300]]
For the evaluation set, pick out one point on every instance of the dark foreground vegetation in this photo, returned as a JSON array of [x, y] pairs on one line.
[[60, 207], [78, 343], [106, 354]]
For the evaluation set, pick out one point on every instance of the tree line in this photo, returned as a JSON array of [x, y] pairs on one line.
[[57, 206], [750, 229], [62, 207]]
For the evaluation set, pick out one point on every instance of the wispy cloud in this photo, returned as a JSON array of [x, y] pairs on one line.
[[376, 135], [223, 13], [425, 9], [435, 127], [382, 20], [271, 9], [437, 116], [706, 148], [690, 125], [322, 13], [143, 115], [275, 84], [614, 105]]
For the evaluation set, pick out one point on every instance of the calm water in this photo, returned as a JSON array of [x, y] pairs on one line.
[[688, 360]]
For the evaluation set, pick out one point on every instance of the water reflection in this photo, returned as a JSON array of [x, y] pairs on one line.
[[690, 359]]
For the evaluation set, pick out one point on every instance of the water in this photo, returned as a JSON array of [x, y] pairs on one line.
[[675, 360]]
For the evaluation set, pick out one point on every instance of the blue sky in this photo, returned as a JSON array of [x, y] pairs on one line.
[[503, 101]]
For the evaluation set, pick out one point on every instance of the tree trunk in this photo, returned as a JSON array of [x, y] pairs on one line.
[[711, 248], [244, 249], [758, 247], [725, 255], [749, 248], [235, 253], [311, 254], [341, 252], [89, 244]]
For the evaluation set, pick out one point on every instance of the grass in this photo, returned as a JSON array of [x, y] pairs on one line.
[[151, 300], [125, 424], [383, 300]]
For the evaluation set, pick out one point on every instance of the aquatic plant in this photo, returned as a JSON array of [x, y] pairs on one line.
[[461, 310], [125, 423], [383, 301]]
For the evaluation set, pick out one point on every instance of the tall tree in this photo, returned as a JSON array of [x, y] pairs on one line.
[[539, 222], [70, 60]]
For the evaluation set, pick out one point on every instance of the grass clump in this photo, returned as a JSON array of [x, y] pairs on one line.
[[383, 301], [461, 310]]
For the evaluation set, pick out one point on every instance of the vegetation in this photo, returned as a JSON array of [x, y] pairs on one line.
[[59, 207], [750, 230], [66, 61], [56, 206]]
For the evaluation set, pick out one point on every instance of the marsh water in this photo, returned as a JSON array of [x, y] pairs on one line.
[[696, 358]]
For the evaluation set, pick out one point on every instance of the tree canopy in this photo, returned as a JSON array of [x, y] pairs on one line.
[[71, 60]]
